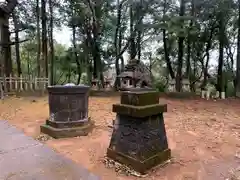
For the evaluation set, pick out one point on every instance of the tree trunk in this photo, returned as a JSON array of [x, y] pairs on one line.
[[188, 61], [139, 42], [7, 48], [95, 69], [120, 47], [39, 68], [117, 44], [205, 71], [122, 63], [69, 75], [166, 54], [132, 35], [221, 53], [193, 81], [89, 74], [28, 64], [237, 81], [189, 43], [96, 51], [51, 43], [139, 29], [180, 52], [44, 37], [79, 71], [17, 51], [208, 48]]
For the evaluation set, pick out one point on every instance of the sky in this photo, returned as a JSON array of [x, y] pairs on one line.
[[63, 36]]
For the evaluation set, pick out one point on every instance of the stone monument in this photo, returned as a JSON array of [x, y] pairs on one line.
[[139, 138], [135, 74], [68, 106]]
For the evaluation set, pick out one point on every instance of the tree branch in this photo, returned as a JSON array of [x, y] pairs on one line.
[[17, 30], [13, 43]]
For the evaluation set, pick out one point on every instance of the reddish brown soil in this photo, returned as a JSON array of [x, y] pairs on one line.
[[204, 136]]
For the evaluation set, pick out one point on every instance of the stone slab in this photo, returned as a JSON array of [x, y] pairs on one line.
[[23, 158], [71, 124], [140, 98], [139, 111], [59, 89], [67, 132], [140, 166]]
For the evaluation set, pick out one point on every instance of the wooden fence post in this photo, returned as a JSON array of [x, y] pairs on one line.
[[10, 82], [4, 84], [16, 84], [36, 83], [21, 83], [31, 83], [44, 84], [26, 80], [1, 90]]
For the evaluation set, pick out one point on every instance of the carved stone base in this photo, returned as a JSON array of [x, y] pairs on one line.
[[139, 137], [140, 143], [140, 166], [65, 130]]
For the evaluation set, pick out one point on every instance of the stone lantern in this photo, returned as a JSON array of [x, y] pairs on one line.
[[135, 74]]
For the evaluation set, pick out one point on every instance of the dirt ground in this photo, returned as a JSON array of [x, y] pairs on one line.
[[204, 136]]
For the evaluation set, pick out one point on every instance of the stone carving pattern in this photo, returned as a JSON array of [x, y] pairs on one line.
[[144, 74], [138, 72], [68, 107], [137, 138]]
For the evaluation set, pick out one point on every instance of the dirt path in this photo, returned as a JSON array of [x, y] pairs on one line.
[[204, 136]]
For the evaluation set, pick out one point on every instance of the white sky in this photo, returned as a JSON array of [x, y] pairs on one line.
[[63, 36]]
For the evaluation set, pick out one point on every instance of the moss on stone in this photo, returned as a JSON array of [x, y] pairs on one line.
[[140, 98], [139, 111], [140, 166], [67, 132]]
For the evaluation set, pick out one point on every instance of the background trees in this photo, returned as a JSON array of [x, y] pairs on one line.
[[182, 38]]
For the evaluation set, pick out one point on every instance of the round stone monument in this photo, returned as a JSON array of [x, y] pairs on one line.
[[68, 109]]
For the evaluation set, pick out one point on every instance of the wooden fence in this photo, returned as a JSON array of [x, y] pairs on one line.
[[21, 83]]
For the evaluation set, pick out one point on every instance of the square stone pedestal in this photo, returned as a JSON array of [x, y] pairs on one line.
[[67, 129], [139, 138], [68, 107]]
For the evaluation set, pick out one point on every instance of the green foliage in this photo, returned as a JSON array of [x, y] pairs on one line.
[[197, 27], [230, 90], [84, 79]]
